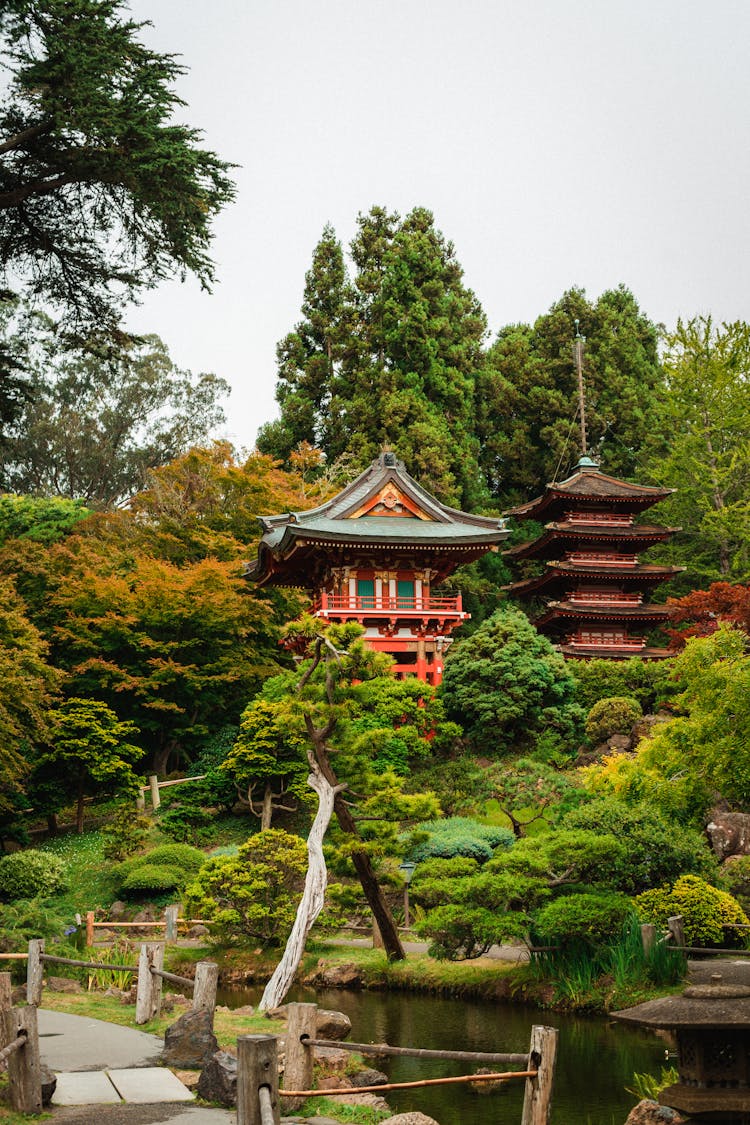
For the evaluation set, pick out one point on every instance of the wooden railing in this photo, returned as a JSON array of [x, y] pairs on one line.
[[606, 519], [623, 642], [584, 558], [258, 1057], [583, 597]]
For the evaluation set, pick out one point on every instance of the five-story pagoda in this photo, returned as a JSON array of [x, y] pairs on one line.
[[594, 585], [374, 554]]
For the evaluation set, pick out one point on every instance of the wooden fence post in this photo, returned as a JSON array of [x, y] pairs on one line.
[[35, 972], [6, 992], [90, 927], [140, 801], [676, 929], [648, 937], [537, 1098], [155, 798], [148, 992], [24, 1068], [257, 1065], [170, 914], [298, 1069], [204, 990]]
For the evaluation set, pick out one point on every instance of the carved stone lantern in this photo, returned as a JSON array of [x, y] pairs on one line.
[[711, 1023]]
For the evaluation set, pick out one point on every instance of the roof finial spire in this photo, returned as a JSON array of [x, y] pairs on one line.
[[578, 353]]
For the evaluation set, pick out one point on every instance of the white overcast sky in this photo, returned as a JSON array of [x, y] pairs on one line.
[[558, 142]]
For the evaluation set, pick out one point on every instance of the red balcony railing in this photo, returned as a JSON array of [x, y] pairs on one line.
[[584, 558], [608, 642], [371, 604], [582, 597], [607, 519]]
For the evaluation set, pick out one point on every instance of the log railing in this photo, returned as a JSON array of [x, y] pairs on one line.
[[150, 973], [384, 603], [19, 1050], [256, 1057]]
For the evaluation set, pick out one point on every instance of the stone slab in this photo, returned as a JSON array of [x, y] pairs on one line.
[[147, 1085], [69, 1042], [84, 1088]]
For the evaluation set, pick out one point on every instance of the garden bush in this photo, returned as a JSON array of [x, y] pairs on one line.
[[151, 879], [582, 919], [644, 680], [255, 893], [459, 836], [708, 914], [31, 874], [125, 833], [657, 852], [614, 715], [166, 868], [736, 878]]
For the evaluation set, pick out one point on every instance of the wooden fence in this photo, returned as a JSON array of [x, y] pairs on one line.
[[149, 972], [259, 1097], [20, 1050]]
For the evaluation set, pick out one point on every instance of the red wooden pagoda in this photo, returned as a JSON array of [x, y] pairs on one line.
[[374, 554], [594, 585]]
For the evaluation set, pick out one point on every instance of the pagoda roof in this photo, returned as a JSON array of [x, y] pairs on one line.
[[566, 572], [565, 610], [566, 529], [384, 507], [588, 484]]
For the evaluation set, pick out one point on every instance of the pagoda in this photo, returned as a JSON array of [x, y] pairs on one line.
[[374, 554], [594, 586]]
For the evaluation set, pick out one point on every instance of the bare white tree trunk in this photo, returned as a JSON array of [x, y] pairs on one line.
[[313, 896]]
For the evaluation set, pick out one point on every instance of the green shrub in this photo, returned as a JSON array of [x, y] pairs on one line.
[[614, 715], [151, 878], [188, 859], [707, 913], [644, 680], [582, 919], [459, 836], [736, 878], [657, 852], [188, 820], [255, 893], [125, 833], [30, 874]]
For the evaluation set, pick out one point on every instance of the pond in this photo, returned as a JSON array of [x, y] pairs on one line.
[[596, 1057]]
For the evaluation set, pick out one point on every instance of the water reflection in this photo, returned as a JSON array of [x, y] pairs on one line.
[[596, 1060]]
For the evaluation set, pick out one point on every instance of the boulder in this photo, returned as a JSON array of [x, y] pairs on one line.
[[117, 911], [190, 1040], [49, 1083], [369, 1077], [372, 1101], [649, 1113], [729, 833], [198, 930], [332, 1025], [245, 1010], [218, 1080], [332, 1060], [336, 976], [642, 728], [409, 1119], [63, 984], [146, 915], [619, 743], [334, 1082]]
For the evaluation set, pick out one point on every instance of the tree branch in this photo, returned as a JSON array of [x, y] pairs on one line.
[[25, 135]]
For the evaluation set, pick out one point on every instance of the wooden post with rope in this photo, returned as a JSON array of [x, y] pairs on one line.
[[204, 988], [302, 1025], [35, 972], [537, 1098], [257, 1080], [148, 992], [21, 1039]]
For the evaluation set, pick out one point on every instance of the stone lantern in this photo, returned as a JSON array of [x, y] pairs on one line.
[[711, 1023]]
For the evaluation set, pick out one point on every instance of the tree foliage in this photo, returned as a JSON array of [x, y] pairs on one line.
[[527, 392], [509, 688], [88, 754], [388, 357], [701, 448], [704, 749], [700, 613], [96, 421], [102, 192]]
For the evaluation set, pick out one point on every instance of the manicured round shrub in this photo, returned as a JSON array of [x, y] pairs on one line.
[[736, 878], [151, 878], [460, 836], [30, 874], [708, 914], [615, 715], [583, 919], [188, 859]]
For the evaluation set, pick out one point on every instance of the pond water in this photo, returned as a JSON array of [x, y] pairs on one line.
[[596, 1057]]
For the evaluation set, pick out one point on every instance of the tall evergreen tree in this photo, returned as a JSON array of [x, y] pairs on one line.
[[527, 394], [391, 360]]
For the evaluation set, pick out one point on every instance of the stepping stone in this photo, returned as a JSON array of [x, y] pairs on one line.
[[84, 1087], [149, 1084]]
